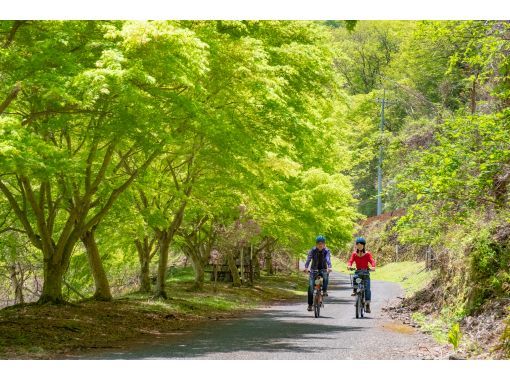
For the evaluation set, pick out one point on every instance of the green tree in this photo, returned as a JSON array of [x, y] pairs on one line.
[[85, 123]]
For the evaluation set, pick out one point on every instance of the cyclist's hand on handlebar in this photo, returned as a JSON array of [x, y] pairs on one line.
[[330, 270], [306, 270], [350, 268]]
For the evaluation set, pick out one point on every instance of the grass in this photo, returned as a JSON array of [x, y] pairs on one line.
[[410, 274], [180, 275], [435, 327], [444, 328], [413, 277], [338, 265], [49, 332]]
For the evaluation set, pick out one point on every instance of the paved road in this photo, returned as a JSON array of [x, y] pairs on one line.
[[290, 332]]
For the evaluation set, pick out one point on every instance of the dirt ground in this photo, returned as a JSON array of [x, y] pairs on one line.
[[51, 332], [57, 332]]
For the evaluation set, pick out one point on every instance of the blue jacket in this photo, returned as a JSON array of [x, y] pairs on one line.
[[313, 257]]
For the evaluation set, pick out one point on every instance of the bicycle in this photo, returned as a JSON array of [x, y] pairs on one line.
[[317, 295], [362, 275]]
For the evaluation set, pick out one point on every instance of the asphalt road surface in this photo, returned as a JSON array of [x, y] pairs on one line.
[[289, 331]]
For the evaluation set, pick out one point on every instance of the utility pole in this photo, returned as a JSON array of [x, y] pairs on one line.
[[383, 102]]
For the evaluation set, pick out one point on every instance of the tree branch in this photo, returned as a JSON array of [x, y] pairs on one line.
[[39, 214], [12, 229], [90, 160], [12, 95], [21, 216], [36, 115], [106, 162], [115, 193], [123, 159], [12, 33], [174, 176]]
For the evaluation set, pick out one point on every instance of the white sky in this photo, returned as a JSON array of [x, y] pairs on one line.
[[255, 9]]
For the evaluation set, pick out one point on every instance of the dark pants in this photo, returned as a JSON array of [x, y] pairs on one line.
[[325, 275], [368, 293]]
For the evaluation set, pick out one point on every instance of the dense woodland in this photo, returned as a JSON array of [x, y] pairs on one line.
[[128, 146], [446, 145]]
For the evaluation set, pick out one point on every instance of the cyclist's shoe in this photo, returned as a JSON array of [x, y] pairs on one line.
[[324, 294], [367, 308], [309, 308]]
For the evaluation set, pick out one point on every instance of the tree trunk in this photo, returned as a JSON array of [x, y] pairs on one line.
[[164, 245], [256, 265], [53, 272], [17, 284], [165, 238], [269, 263], [145, 281], [144, 258], [251, 265], [52, 286], [193, 252], [198, 267], [233, 270], [102, 292], [242, 264]]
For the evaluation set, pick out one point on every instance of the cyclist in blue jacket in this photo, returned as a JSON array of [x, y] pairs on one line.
[[320, 257]]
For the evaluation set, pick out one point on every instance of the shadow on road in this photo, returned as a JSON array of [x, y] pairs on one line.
[[287, 331], [338, 301], [270, 332]]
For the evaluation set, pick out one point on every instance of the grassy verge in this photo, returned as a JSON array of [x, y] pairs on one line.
[[411, 275], [339, 265], [45, 332], [439, 327]]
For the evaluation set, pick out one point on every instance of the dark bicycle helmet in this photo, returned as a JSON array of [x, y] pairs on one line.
[[320, 239], [361, 240]]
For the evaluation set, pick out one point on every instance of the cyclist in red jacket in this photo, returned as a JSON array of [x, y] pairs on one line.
[[362, 258]]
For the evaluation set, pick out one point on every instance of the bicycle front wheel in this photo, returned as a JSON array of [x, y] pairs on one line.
[[359, 307], [316, 306]]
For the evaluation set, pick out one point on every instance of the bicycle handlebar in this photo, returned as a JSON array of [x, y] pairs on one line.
[[362, 270], [315, 270]]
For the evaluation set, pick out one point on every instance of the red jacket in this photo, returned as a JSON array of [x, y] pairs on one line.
[[361, 262]]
